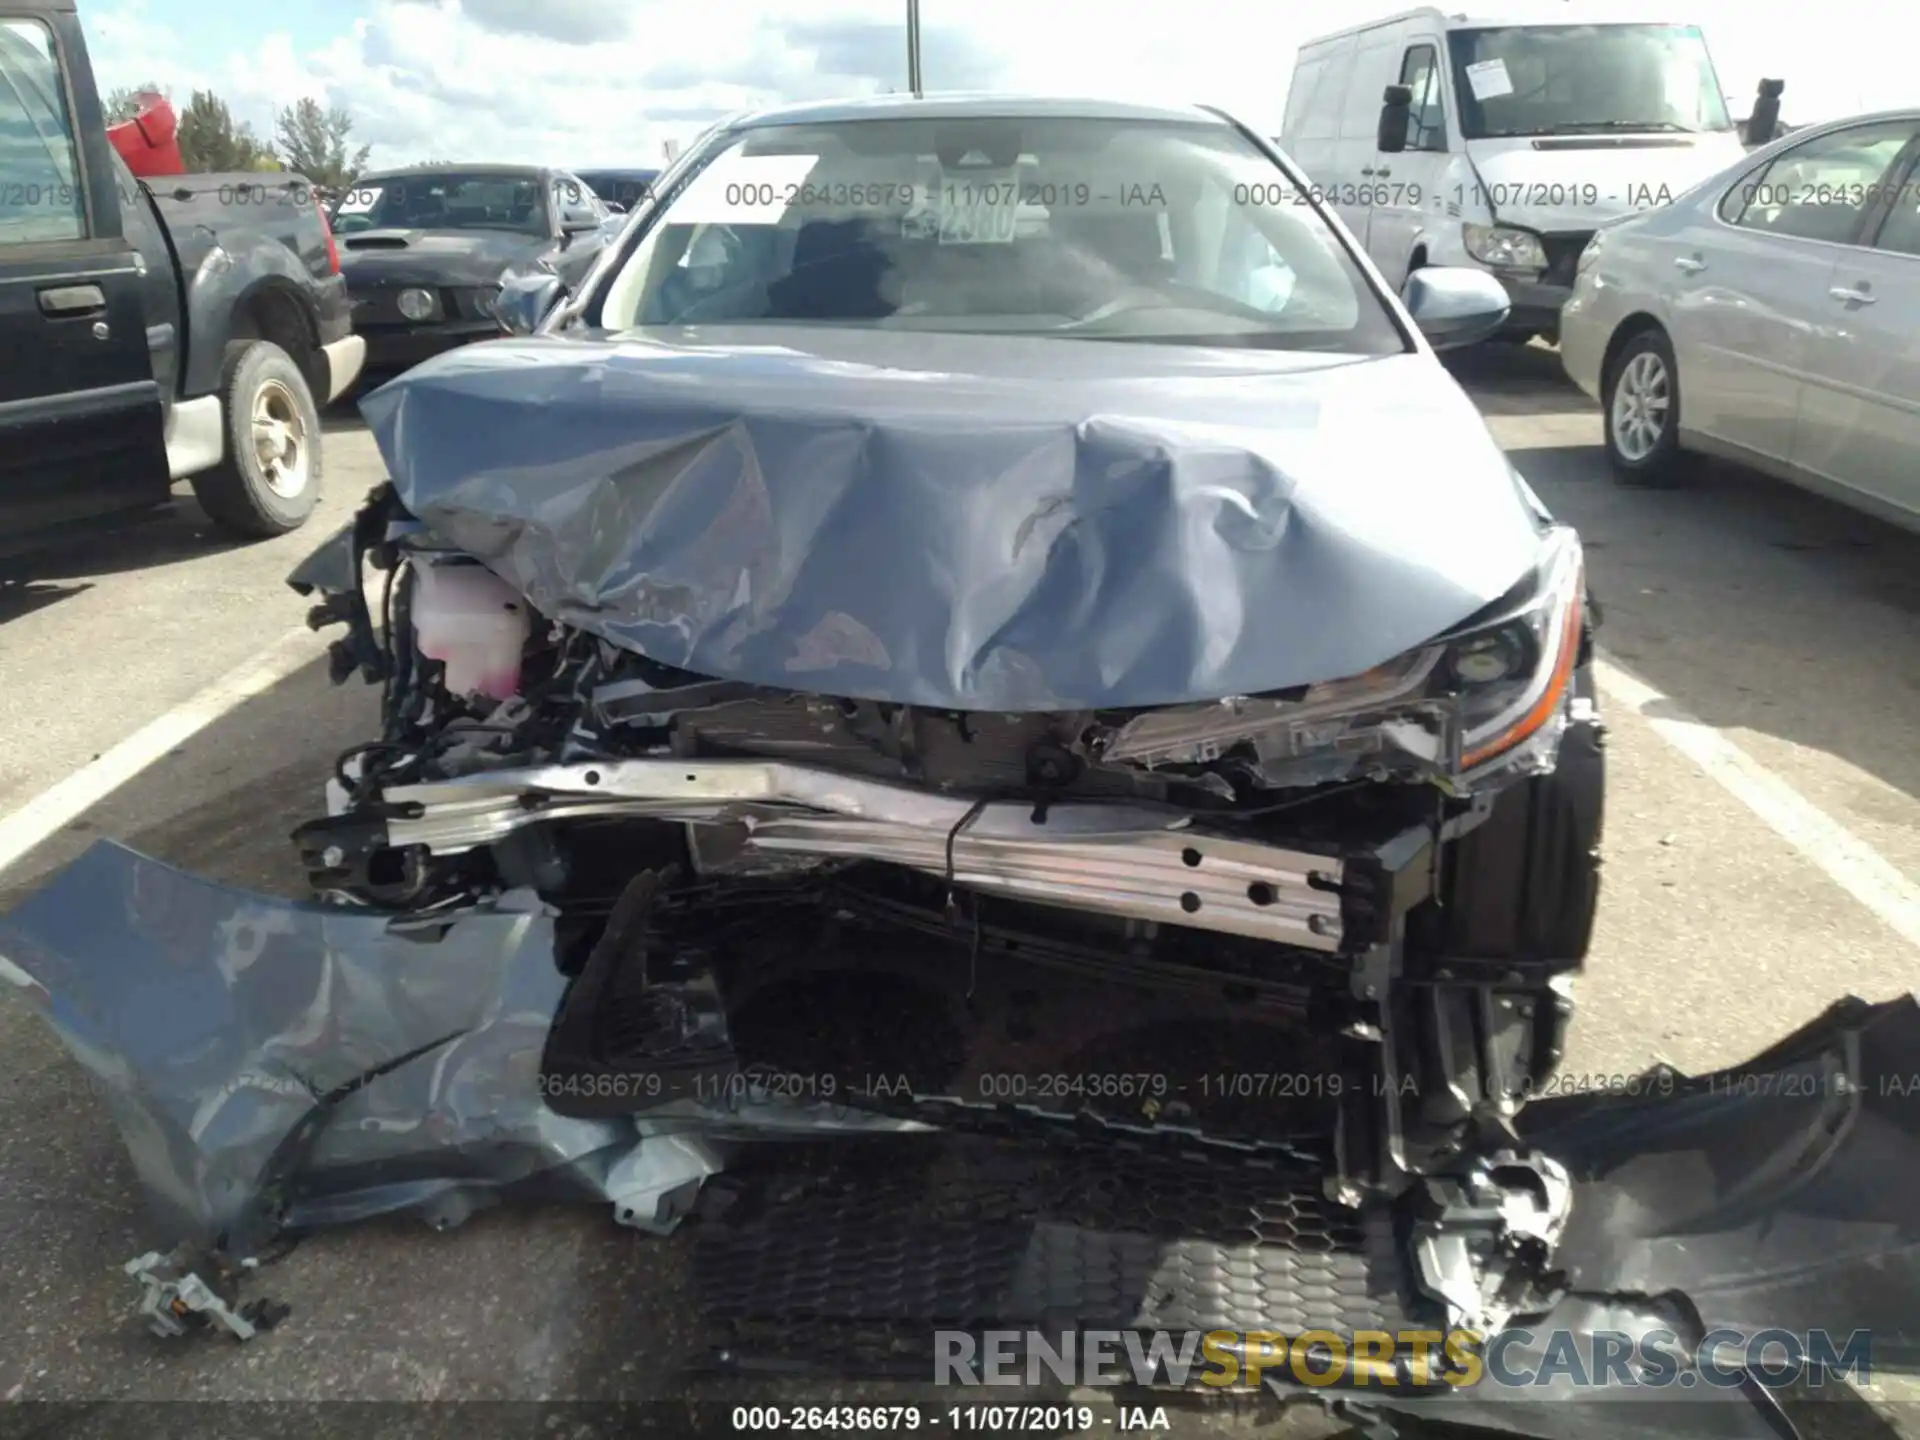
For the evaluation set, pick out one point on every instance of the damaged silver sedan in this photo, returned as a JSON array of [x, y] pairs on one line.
[[983, 647]]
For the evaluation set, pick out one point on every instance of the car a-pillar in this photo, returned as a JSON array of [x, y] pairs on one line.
[[268, 481]]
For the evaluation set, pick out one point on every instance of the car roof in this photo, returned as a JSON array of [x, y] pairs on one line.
[[1566, 12], [619, 171], [473, 167], [1909, 115], [966, 105]]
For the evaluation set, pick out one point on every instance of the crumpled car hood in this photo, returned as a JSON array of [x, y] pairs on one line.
[[967, 522]]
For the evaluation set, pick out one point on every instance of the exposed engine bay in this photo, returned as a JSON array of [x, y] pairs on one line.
[[1327, 929]]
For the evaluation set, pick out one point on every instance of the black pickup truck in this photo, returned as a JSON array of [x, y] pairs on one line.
[[180, 327]]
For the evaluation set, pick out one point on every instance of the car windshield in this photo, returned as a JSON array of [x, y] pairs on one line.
[[1585, 79], [1116, 229], [467, 200]]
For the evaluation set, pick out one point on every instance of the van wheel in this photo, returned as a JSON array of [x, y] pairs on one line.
[[269, 481], [1641, 402]]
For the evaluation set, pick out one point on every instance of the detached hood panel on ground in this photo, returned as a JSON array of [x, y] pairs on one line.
[[967, 522]]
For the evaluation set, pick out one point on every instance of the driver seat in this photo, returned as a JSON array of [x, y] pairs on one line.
[[836, 274]]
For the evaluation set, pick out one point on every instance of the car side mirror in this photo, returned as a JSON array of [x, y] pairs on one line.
[[1455, 305], [579, 224], [1395, 114], [1765, 118], [616, 207], [525, 300]]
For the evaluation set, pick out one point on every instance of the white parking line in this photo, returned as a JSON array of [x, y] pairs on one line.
[[54, 809], [1847, 860]]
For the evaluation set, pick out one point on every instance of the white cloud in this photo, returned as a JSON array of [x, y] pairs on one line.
[[596, 82]]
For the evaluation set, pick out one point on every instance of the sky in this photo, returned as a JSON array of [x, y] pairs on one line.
[[608, 82]]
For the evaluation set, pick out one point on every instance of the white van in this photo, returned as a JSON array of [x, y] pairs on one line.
[[1519, 139]]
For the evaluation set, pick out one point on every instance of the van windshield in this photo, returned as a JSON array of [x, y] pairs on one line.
[[1585, 79]]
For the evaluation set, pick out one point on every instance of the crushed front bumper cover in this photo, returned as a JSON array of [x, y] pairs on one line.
[[275, 1067]]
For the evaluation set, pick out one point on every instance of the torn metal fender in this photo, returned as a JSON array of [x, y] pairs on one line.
[[1777, 1194]]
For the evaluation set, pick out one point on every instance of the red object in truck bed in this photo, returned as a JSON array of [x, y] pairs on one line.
[[149, 142]]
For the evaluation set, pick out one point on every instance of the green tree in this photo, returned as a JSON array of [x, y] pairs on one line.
[[124, 103], [212, 140], [313, 141]]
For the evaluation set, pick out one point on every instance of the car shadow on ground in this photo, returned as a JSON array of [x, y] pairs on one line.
[[1508, 379], [46, 568], [1754, 604]]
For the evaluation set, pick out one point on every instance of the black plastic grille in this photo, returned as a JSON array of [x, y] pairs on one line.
[[942, 1232]]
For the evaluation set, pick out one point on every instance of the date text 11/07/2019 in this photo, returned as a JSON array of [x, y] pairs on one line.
[[962, 1419], [724, 1086], [1260, 194]]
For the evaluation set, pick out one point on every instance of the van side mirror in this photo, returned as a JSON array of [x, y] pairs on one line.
[[1765, 118], [1395, 115]]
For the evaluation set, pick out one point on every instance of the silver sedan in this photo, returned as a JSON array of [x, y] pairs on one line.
[[1771, 316]]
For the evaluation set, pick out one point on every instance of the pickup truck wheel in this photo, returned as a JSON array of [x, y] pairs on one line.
[[270, 480]]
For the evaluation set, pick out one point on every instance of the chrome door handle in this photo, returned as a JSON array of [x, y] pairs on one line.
[[1851, 297], [1383, 170], [1366, 170], [72, 300], [1692, 264]]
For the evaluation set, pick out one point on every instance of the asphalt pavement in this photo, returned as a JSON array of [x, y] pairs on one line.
[[1762, 674]]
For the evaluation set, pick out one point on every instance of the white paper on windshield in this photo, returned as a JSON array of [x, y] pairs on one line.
[[745, 190], [358, 201], [979, 207], [1489, 79]]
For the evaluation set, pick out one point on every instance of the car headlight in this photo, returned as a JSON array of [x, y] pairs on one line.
[[1511, 674], [417, 304], [1505, 247], [1473, 695]]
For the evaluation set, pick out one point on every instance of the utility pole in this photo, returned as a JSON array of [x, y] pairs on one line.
[[913, 47]]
